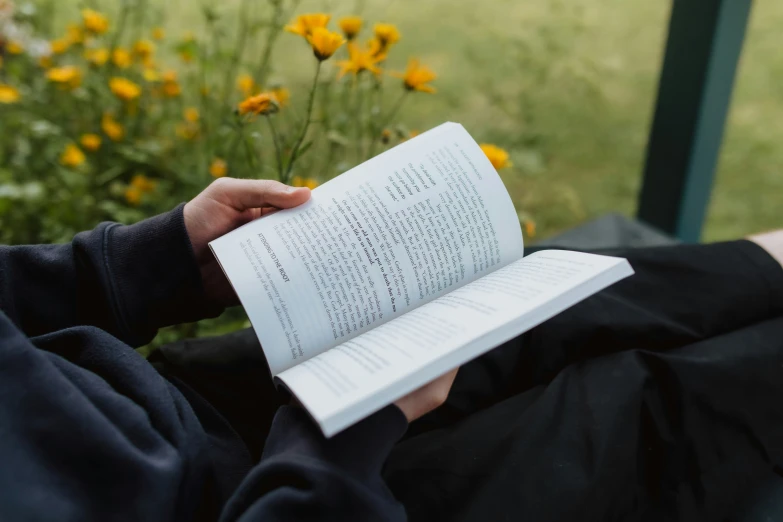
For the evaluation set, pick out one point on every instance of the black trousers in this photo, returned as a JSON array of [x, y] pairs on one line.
[[661, 398]]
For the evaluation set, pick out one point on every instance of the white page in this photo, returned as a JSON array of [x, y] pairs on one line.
[[403, 228], [352, 380]]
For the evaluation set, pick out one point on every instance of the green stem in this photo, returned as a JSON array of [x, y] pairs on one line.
[[377, 100], [233, 148], [347, 88], [306, 125], [275, 28], [392, 113], [239, 50], [251, 158], [357, 112], [278, 151]]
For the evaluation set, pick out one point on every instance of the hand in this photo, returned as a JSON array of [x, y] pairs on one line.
[[223, 206], [428, 397]]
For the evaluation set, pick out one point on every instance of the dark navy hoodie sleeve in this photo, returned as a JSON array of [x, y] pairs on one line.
[[90, 431], [127, 280], [307, 478]]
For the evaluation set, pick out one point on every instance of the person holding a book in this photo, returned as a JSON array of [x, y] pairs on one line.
[[89, 430], [658, 397]]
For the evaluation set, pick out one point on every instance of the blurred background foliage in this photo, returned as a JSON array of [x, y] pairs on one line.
[[567, 87]]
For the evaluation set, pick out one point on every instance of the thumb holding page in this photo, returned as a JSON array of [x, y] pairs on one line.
[[223, 206]]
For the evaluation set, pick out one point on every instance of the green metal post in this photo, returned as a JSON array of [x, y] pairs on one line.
[[700, 62]]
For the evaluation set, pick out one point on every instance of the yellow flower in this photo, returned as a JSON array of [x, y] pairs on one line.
[[218, 168], [14, 47], [350, 26], [121, 58], [324, 42], [143, 49], [133, 196], [497, 156], [299, 181], [171, 86], [68, 76], [72, 156], [111, 127], [172, 89], [387, 34], [530, 228], [246, 84], [385, 136], [416, 77], [150, 74], [96, 57], [359, 60], [158, 33], [75, 34], [264, 103], [143, 183], [191, 114], [91, 142], [59, 46], [377, 50], [94, 21], [124, 89], [304, 24], [281, 95], [8, 94]]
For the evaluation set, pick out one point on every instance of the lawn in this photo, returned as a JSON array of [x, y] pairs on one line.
[[568, 87]]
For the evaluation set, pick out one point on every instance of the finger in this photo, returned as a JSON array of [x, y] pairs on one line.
[[428, 397], [243, 194], [268, 210], [441, 386], [448, 379]]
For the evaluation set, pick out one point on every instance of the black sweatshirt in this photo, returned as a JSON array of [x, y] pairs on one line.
[[90, 431]]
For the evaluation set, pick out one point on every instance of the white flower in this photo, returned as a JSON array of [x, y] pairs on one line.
[[35, 47]]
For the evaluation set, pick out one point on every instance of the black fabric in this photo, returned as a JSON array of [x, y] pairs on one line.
[[231, 374], [90, 431], [658, 399]]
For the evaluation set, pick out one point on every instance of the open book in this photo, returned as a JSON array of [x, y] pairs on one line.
[[394, 273]]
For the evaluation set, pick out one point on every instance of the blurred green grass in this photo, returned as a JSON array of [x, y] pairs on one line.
[[568, 87]]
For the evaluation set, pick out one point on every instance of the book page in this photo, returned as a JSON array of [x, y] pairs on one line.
[[398, 231], [360, 376]]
